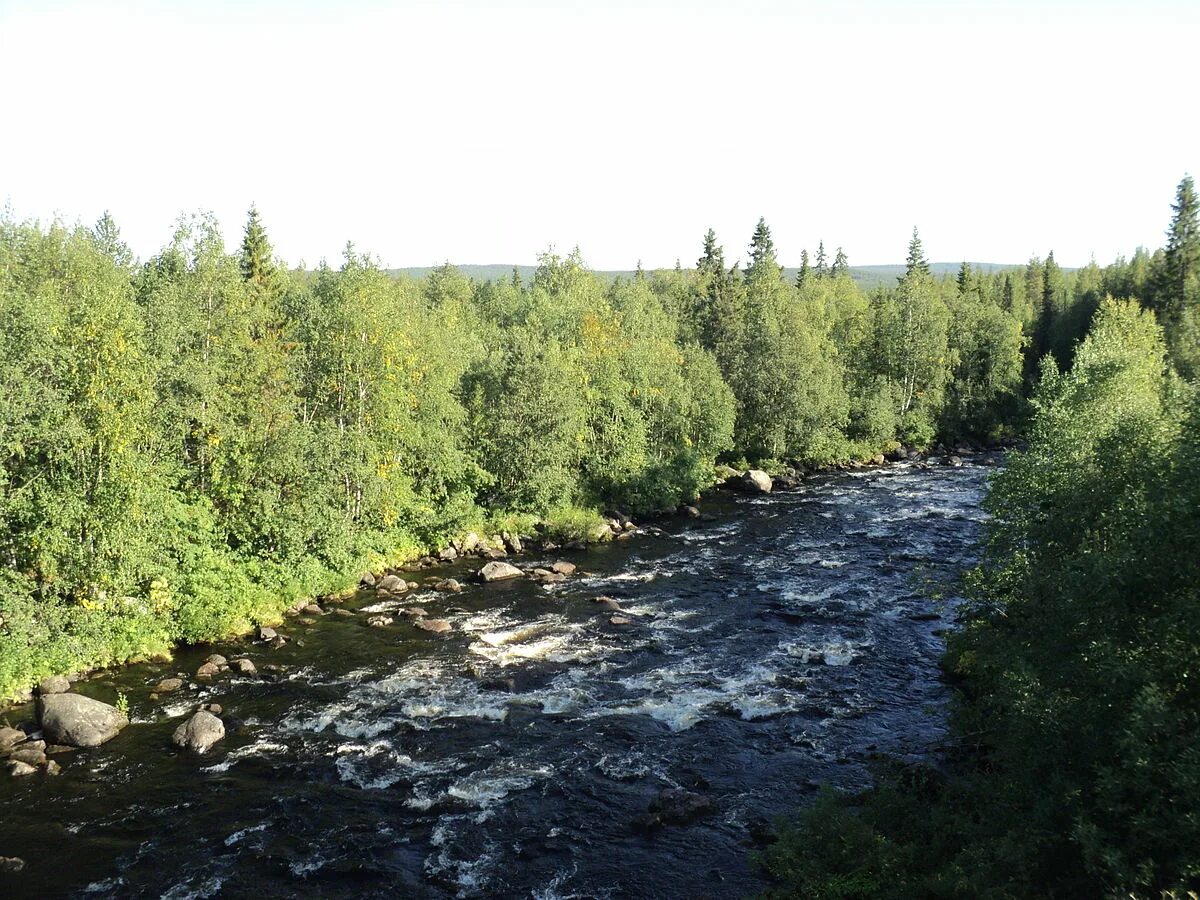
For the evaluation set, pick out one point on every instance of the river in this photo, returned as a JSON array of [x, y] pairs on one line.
[[778, 644]]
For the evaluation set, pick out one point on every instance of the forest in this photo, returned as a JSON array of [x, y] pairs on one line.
[[192, 442], [1071, 768]]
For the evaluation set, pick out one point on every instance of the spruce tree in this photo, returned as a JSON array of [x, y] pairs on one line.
[[803, 273], [257, 265], [822, 268], [762, 248], [964, 277], [916, 261], [1181, 258], [841, 265]]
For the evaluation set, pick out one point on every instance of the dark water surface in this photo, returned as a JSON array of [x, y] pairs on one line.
[[773, 648]]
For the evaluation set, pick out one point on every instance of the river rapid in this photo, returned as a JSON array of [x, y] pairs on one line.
[[780, 643]]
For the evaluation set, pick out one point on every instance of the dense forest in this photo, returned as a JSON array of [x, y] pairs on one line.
[[1072, 767], [192, 442]]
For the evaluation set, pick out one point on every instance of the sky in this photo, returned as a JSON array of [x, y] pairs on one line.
[[488, 132]]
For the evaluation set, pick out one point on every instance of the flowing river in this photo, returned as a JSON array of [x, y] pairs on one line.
[[779, 644]]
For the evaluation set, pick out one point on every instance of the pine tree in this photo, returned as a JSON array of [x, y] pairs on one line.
[[822, 268], [916, 261], [1007, 293], [257, 265], [803, 273], [841, 265]]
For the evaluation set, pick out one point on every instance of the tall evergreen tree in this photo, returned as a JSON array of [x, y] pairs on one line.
[[841, 265], [803, 273], [257, 264], [916, 262], [822, 267], [1181, 257], [964, 277], [762, 248]]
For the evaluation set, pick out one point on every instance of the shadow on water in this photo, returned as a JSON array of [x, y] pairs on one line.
[[771, 649]]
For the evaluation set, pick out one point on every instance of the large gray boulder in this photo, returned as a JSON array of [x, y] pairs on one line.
[[755, 481], [79, 721], [199, 733], [498, 571]]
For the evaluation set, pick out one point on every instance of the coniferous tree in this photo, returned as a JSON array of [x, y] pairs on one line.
[[1181, 257], [803, 272], [257, 265], [916, 262], [964, 277], [841, 265], [762, 248], [1177, 292], [107, 236], [822, 268]]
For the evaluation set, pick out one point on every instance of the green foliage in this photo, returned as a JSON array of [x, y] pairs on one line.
[[1078, 721], [188, 444]]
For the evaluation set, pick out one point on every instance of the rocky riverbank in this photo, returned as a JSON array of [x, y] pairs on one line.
[[60, 721]]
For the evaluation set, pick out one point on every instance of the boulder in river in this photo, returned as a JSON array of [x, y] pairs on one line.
[[199, 733], [675, 806], [435, 626], [244, 666], [449, 585], [55, 684], [562, 567], [954, 461], [755, 481], [9, 738], [391, 584], [11, 864], [32, 753], [208, 670], [168, 685], [498, 571], [266, 634], [79, 721]]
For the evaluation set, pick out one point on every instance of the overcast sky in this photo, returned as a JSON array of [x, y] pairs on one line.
[[481, 132]]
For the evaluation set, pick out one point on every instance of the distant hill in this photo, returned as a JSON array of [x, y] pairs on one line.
[[866, 277]]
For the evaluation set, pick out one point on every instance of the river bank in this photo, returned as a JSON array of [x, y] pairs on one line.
[[536, 742]]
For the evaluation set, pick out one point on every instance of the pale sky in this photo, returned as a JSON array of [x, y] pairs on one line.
[[481, 132]]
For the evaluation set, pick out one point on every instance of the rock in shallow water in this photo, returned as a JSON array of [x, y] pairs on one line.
[[9, 738], [498, 571], [199, 733], [168, 685], [79, 721]]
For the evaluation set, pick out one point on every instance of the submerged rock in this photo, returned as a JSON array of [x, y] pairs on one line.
[[675, 806], [380, 621], [244, 666], [79, 721], [449, 585], [199, 733], [498, 571], [168, 685], [436, 626]]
